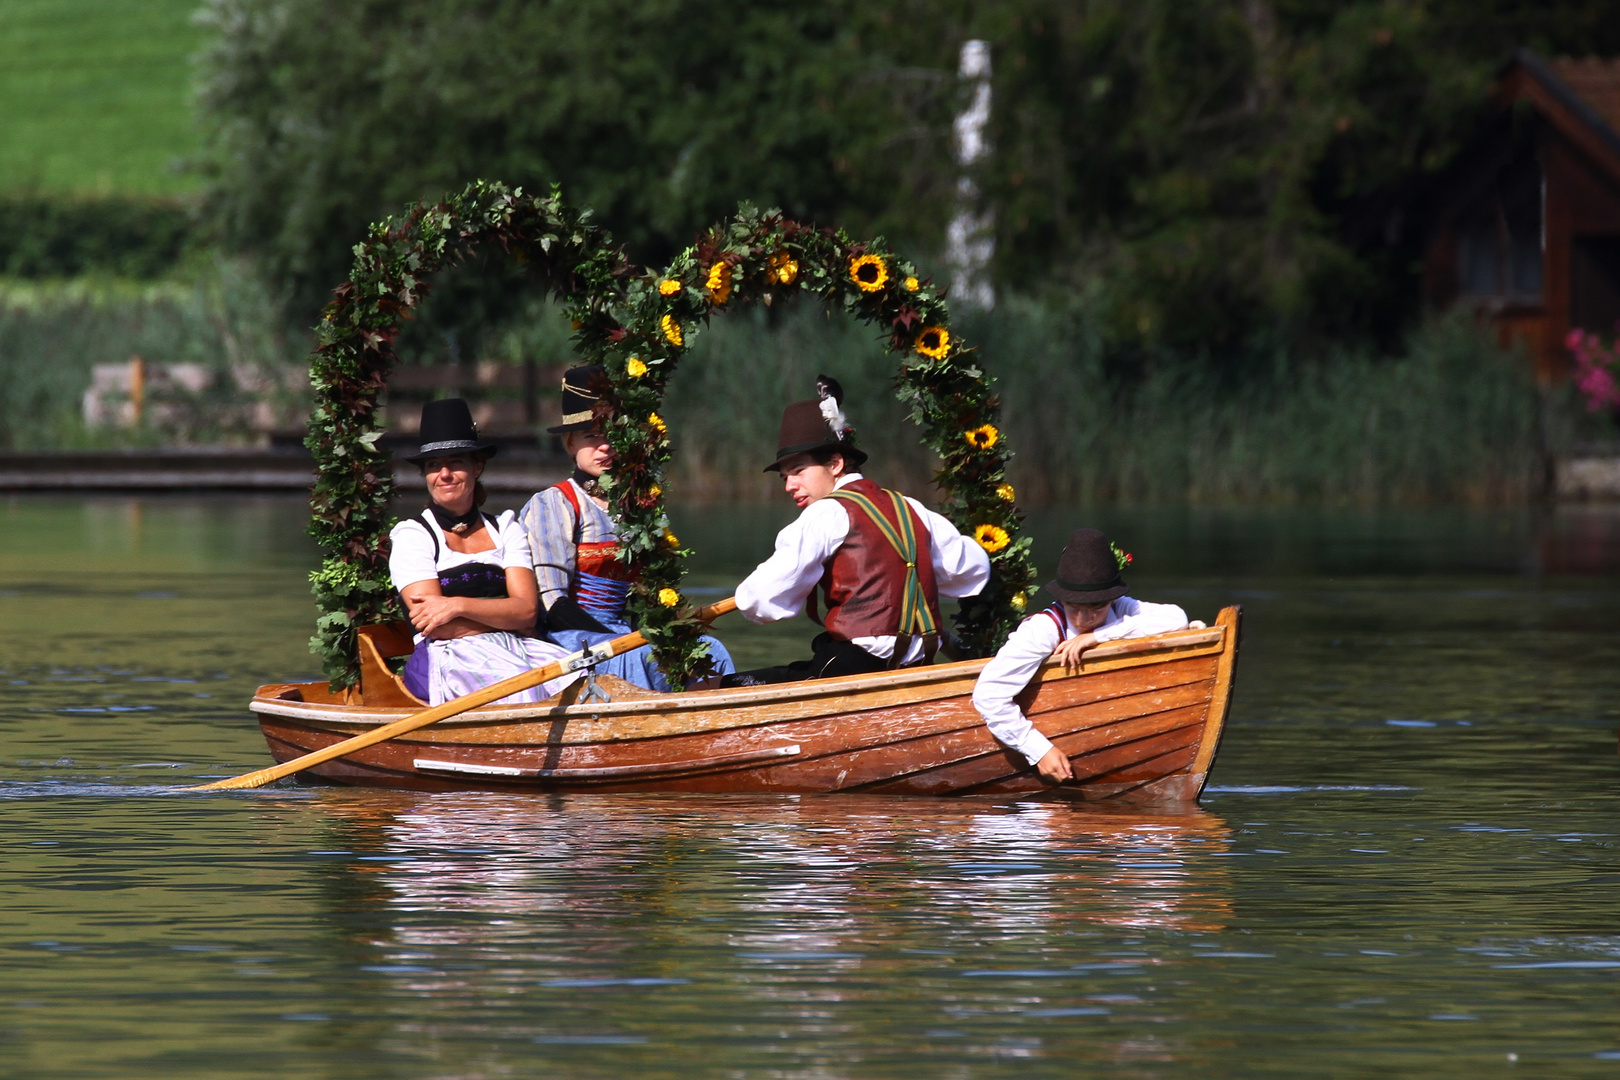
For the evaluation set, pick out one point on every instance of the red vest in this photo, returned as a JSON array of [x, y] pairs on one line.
[[866, 578]]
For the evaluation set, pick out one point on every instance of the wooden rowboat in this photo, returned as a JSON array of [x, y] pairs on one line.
[[1140, 721]]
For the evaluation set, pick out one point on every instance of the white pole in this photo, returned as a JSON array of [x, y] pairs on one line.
[[970, 239]]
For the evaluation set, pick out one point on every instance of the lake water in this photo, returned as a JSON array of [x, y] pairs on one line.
[[1406, 863]]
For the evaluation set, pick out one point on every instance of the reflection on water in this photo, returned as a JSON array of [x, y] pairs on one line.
[[1406, 863], [825, 860], [801, 907]]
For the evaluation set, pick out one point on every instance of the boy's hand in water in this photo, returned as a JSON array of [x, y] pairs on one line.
[[1054, 767], [1068, 652]]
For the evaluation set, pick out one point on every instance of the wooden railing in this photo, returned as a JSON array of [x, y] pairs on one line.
[[506, 399]]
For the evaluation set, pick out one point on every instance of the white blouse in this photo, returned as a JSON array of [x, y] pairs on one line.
[[1028, 647], [779, 586], [411, 558]]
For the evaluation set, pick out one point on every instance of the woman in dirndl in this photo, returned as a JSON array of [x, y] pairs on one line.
[[466, 578], [582, 584]]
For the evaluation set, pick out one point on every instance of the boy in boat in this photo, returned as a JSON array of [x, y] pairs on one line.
[[582, 584], [881, 559], [1092, 607]]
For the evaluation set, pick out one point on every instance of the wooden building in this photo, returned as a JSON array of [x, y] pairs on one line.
[[1526, 223]]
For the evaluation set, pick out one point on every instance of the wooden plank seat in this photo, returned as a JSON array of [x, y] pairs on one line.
[[380, 642]]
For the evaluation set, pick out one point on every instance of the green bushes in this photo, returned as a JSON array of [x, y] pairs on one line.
[[59, 236]]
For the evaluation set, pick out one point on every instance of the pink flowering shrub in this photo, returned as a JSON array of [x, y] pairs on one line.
[[1595, 367]]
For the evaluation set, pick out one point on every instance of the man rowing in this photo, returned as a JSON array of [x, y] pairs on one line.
[[881, 560]]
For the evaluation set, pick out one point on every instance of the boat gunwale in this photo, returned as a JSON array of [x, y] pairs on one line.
[[1114, 656]]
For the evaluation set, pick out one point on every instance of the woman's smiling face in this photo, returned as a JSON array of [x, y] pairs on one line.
[[451, 480]]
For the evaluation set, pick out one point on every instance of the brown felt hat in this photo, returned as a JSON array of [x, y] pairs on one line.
[[1087, 573], [805, 428]]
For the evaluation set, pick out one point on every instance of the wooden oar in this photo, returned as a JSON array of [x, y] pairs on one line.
[[494, 692]]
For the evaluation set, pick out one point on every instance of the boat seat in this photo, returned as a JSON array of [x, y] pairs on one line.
[[379, 686], [378, 683]]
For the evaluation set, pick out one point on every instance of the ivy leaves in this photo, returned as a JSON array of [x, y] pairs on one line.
[[354, 354]]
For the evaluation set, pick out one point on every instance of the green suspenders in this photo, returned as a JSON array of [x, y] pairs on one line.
[[916, 618]]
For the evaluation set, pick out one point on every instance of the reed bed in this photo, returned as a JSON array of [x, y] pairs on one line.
[[1454, 419], [52, 333]]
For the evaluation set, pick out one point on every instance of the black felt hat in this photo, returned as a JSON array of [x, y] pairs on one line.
[[448, 428], [1088, 572], [581, 391], [818, 424]]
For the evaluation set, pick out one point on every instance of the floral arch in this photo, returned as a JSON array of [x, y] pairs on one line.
[[637, 325]]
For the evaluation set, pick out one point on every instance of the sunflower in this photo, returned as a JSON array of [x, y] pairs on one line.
[[982, 438], [991, 537], [1020, 601], [1005, 492], [719, 283], [912, 284], [668, 597], [672, 330], [637, 367], [656, 422], [784, 267], [934, 341], [668, 287], [868, 272]]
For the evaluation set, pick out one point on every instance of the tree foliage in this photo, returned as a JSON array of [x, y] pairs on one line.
[[325, 115], [1200, 170]]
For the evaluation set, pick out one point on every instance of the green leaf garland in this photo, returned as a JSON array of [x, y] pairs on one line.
[[639, 326], [764, 257], [354, 353]]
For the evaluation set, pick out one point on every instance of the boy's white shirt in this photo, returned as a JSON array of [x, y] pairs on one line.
[[779, 586], [1028, 647]]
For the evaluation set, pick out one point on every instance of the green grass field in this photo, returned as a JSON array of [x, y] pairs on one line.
[[95, 95]]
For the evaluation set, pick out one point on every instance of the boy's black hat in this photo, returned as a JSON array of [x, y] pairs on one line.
[[581, 390], [448, 428], [1088, 572]]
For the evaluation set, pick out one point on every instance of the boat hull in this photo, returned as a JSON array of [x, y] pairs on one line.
[[1140, 721]]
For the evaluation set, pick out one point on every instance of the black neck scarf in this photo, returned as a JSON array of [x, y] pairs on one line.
[[460, 524]]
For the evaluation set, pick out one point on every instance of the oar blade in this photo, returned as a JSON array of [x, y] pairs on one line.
[[237, 783]]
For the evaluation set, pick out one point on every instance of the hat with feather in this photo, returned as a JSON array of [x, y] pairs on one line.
[[818, 424]]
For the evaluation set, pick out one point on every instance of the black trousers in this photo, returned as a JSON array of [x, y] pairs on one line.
[[832, 657]]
